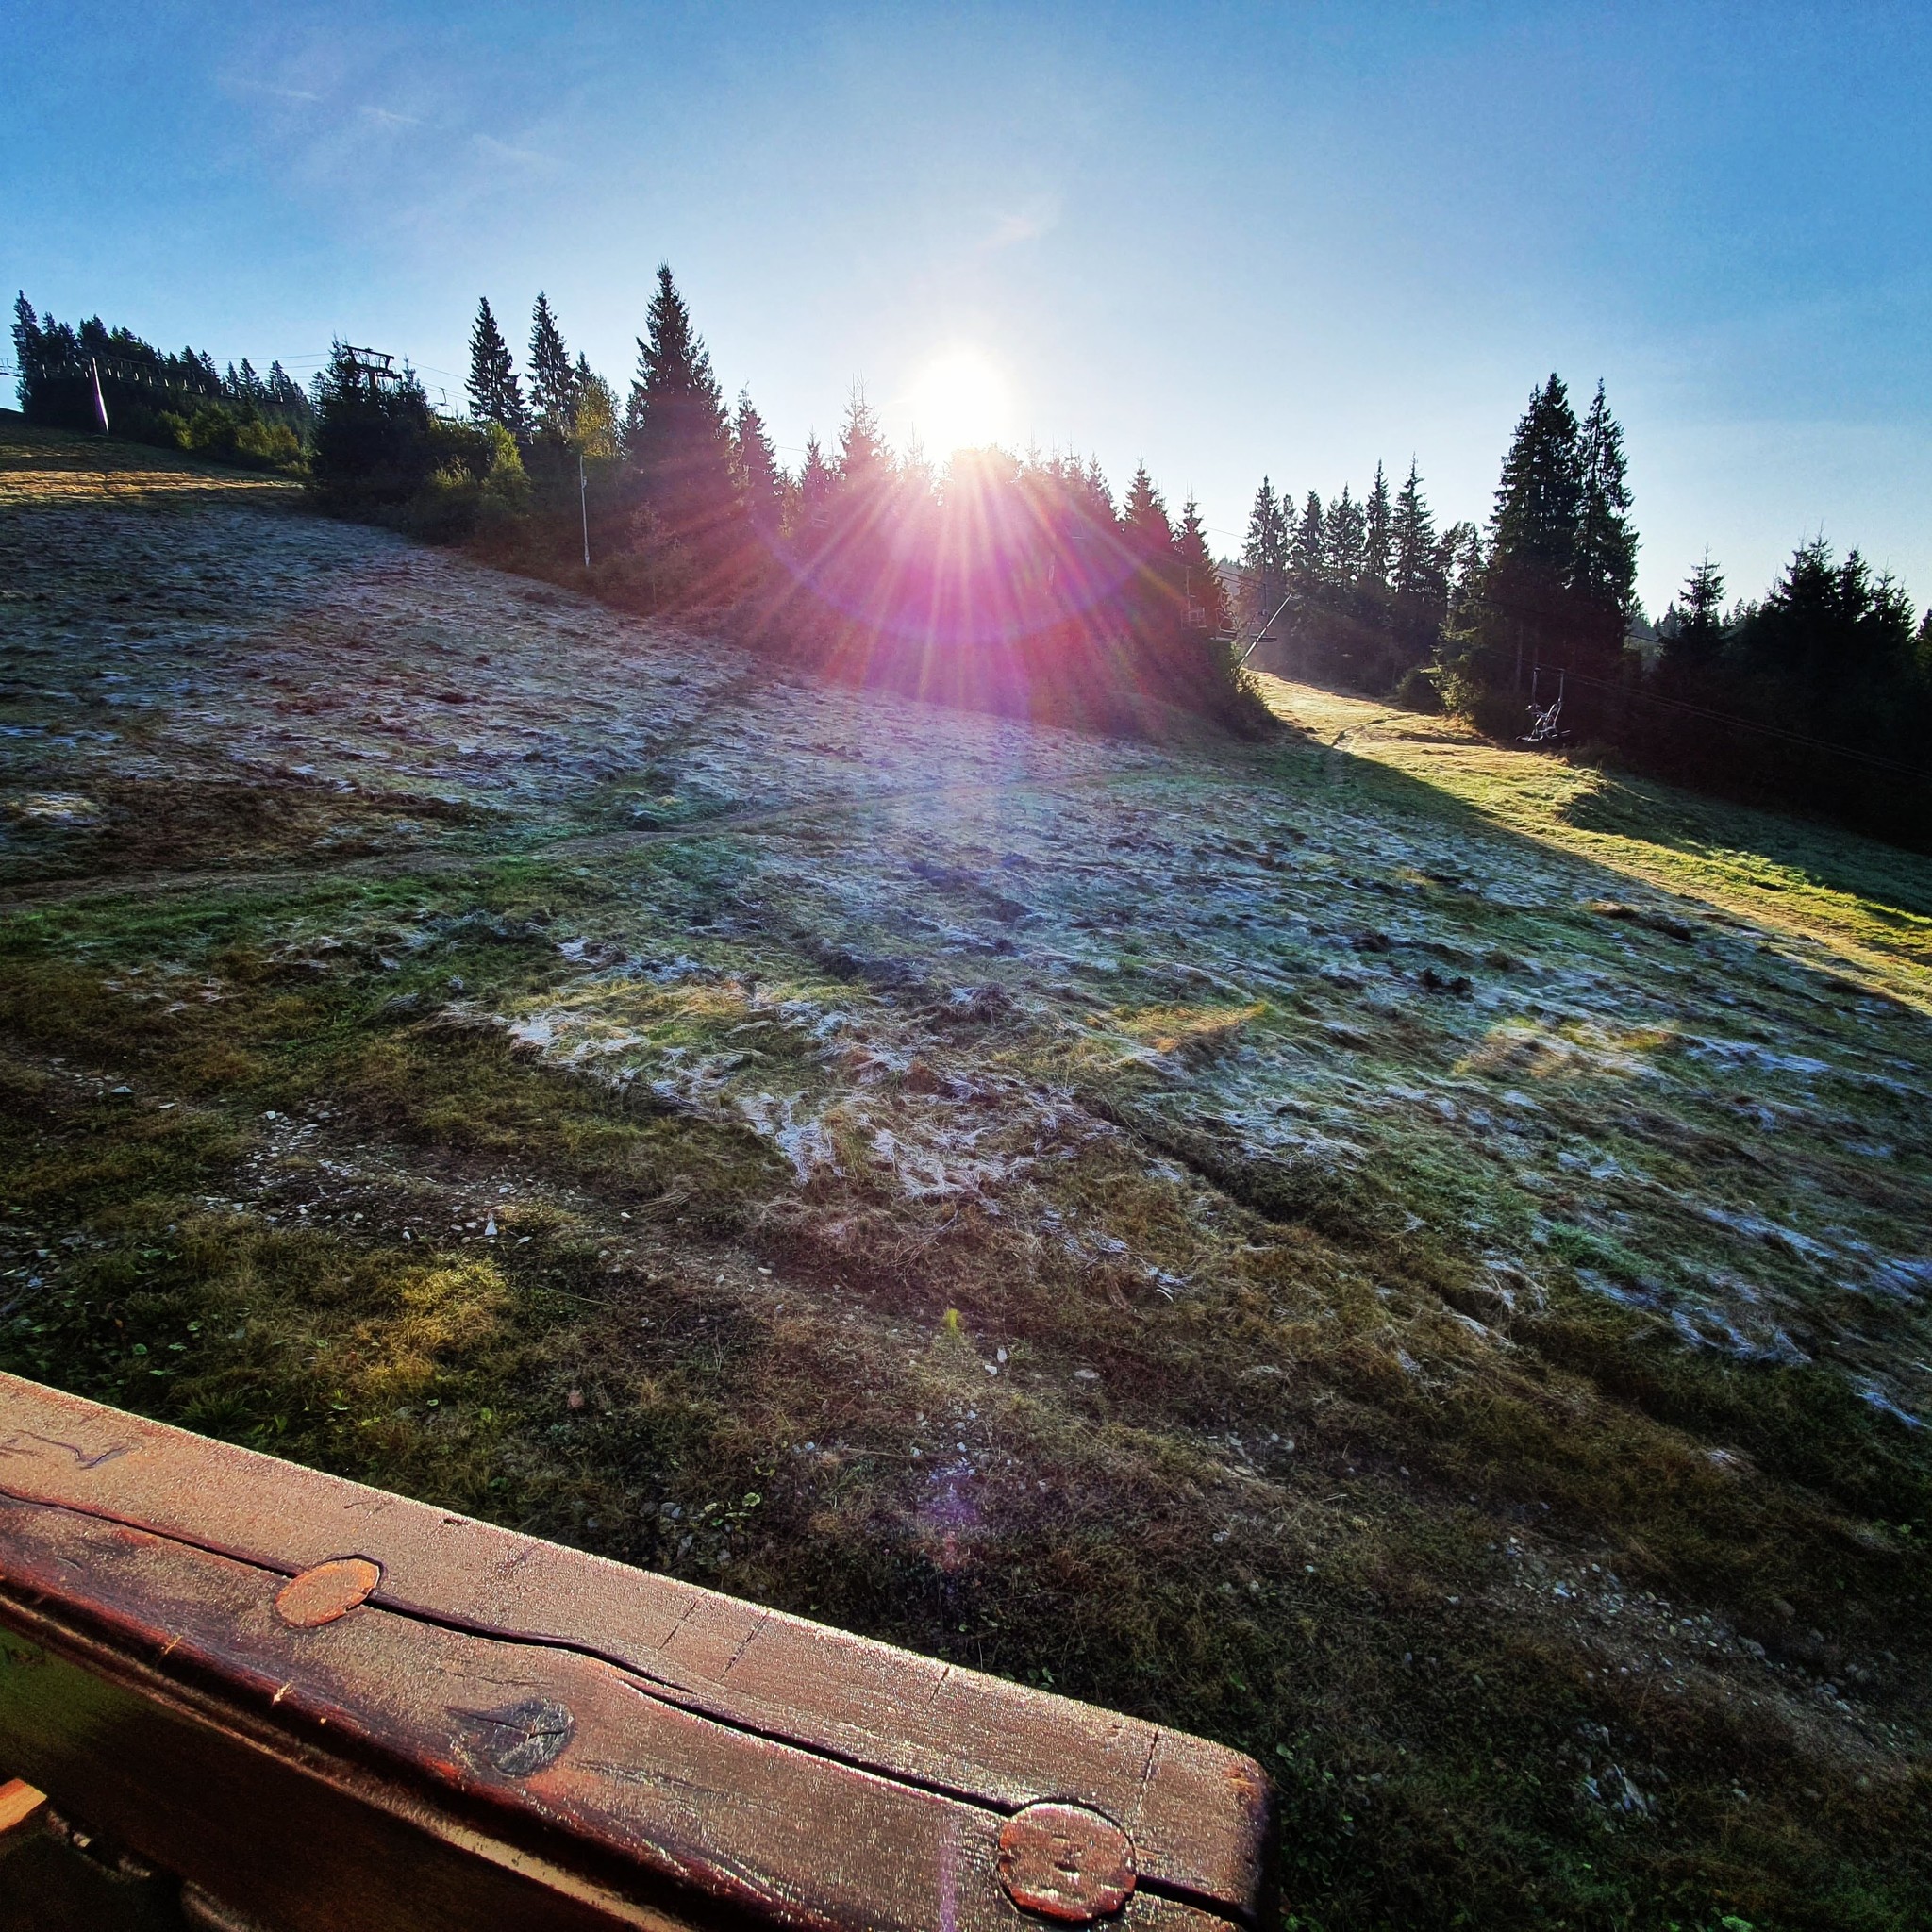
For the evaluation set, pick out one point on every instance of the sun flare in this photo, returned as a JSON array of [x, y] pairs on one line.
[[959, 400]]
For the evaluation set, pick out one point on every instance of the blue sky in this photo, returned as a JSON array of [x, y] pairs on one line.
[[1293, 239]]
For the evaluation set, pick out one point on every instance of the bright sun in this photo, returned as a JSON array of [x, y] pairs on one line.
[[957, 401]]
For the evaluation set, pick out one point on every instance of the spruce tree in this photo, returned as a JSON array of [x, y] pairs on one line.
[[495, 396], [865, 463], [1464, 564], [1265, 556], [1698, 635], [27, 350], [1540, 496], [1143, 521], [1308, 557], [1348, 535], [1603, 566], [1529, 610], [553, 381], [1416, 570], [1207, 596], [813, 498], [1375, 545], [677, 437], [760, 483], [1419, 585]]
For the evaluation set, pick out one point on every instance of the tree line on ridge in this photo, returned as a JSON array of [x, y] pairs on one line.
[[1022, 584]]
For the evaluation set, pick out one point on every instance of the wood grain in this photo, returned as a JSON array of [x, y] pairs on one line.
[[781, 1770]]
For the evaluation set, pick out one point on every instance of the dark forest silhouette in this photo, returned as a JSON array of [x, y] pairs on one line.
[[1020, 584]]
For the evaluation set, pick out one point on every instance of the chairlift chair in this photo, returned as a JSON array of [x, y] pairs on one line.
[[1546, 727]]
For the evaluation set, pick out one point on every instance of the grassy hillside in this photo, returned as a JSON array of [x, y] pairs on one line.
[[1403, 1256]]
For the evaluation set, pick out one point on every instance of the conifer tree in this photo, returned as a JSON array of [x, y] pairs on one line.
[[373, 441], [1309, 557], [1347, 532], [865, 463], [1529, 609], [1099, 492], [1143, 521], [1539, 500], [1697, 636], [677, 437], [813, 504], [1206, 593], [27, 349], [1375, 544], [1416, 571], [1464, 563], [1266, 554], [760, 484], [1604, 567], [1419, 584], [553, 381], [495, 396]]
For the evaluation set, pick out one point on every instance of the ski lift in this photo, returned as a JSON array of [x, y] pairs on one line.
[[1546, 727], [1198, 611]]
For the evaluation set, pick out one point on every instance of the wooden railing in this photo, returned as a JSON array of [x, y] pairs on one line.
[[324, 1706]]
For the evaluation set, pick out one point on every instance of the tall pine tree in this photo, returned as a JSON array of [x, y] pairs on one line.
[[1419, 584], [1375, 536], [1416, 571], [1603, 571], [760, 484], [1348, 541], [1143, 521], [1308, 559], [1529, 613], [1265, 556], [677, 437], [1540, 496], [553, 381], [1697, 634], [1206, 593], [495, 396], [865, 463], [811, 497]]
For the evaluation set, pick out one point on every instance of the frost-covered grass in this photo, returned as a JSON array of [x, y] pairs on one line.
[[1405, 1256]]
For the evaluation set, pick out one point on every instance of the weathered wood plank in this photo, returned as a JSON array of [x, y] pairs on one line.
[[297, 1840], [1194, 1811]]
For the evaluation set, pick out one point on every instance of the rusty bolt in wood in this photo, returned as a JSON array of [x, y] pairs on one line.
[[1066, 1862], [328, 1591]]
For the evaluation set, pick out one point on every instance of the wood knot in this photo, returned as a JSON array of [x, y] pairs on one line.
[[1066, 1862], [328, 1591], [520, 1738]]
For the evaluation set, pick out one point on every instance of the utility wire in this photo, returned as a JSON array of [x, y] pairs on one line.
[[1737, 723]]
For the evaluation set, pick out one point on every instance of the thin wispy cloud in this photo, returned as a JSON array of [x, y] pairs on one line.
[[1027, 222], [280, 94], [502, 151]]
